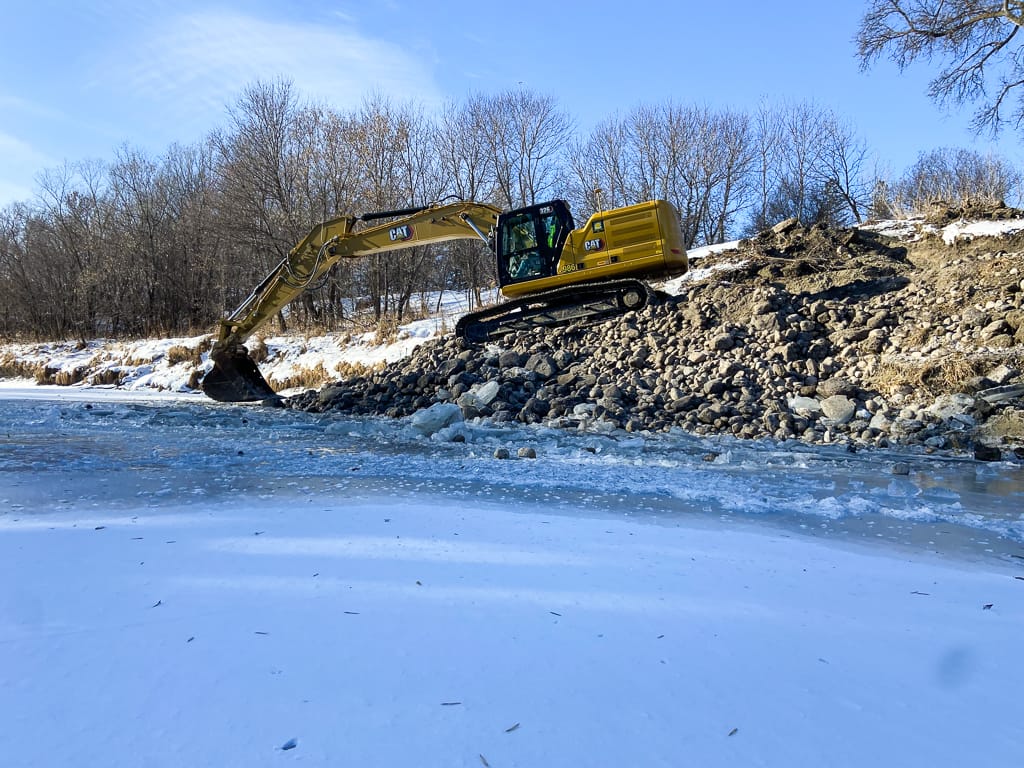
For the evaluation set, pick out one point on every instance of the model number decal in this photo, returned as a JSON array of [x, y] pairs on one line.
[[594, 245], [403, 232]]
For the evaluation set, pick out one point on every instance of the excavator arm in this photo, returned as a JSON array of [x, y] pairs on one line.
[[235, 377]]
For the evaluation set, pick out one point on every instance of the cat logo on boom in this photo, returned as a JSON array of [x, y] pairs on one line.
[[403, 232]]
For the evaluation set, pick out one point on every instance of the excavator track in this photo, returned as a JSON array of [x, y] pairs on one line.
[[561, 306]]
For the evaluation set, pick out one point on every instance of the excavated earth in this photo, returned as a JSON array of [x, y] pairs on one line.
[[842, 336]]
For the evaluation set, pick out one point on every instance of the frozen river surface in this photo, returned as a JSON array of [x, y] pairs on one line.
[[113, 450], [184, 583]]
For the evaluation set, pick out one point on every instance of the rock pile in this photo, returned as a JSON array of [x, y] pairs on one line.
[[821, 335]]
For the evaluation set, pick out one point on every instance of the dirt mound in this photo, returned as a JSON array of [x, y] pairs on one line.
[[819, 262], [940, 213]]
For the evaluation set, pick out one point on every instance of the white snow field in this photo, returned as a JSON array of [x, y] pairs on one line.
[[195, 584]]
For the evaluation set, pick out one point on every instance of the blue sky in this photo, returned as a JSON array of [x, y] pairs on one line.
[[80, 78]]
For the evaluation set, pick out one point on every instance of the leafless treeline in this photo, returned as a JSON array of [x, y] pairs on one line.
[[144, 245]]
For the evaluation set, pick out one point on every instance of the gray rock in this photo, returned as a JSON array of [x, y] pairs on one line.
[[723, 342], [786, 225], [948, 406], [1002, 374], [838, 408], [995, 328], [903, 428], [510, 358], [486, 392], [837, 385], [543, 365], [984, 452]]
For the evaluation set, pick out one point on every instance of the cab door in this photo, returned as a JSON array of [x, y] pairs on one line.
[[530, 241]]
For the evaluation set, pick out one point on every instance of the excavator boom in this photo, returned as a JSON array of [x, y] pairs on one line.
[[235, 377]]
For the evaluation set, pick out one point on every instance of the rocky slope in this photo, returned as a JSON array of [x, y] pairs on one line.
[[863, 337]]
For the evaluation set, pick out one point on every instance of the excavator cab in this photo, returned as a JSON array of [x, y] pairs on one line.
[[529, 241]]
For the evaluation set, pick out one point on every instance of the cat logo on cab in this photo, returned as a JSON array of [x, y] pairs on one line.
[[593, 245]]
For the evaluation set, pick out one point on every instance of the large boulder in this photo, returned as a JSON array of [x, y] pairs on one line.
[[435, 418]]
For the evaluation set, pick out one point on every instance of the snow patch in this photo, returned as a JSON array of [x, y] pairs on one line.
[[965, 231]]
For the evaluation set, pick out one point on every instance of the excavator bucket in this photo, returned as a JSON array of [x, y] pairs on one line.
[[236, 379]]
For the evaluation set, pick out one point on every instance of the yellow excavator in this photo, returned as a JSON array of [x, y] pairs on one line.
[[549, 272]]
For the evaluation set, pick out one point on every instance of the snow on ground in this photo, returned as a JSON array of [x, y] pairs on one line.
[[695, 272], [909, 228], [149, 365], [200, 584], [960, 231]]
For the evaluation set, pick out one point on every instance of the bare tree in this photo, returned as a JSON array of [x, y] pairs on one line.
[[809, 164], [463, 150], [840, 168], [423, 178], [23, 308], [724, 156], [603, 167], [188, 178], [159, 243], [526, 135], [284, 165], [697, 158], [256, 155], [467, 168], [958, 177], [975, 40], [66, 247], [767, 165], [384, 140]]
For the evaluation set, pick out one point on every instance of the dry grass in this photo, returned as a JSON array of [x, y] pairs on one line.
[[938, 376], [346, 370], [179, 353], [1007, 426], [133, 362], [107, 377], [313, 378], [917, 336], [65, 378], [12, 368], [309, 378], [387, 330]]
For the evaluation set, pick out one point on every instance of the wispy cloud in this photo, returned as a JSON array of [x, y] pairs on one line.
[[19, 162], [196, 64], [11, 104]]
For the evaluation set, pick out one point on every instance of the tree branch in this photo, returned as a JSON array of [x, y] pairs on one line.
[[970, 35]]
